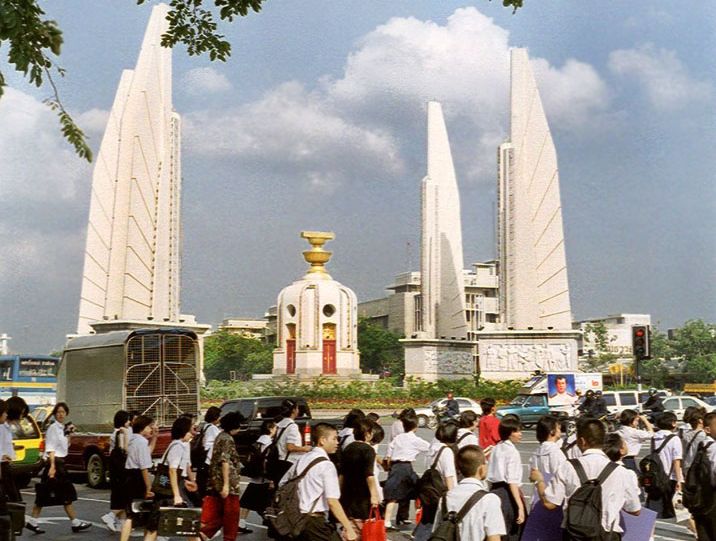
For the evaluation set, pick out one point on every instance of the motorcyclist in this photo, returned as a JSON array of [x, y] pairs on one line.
[[452, 408], [600, 405], [654, 402], [589, 406]]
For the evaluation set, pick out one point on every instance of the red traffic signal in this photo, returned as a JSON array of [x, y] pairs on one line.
[[640, 341]]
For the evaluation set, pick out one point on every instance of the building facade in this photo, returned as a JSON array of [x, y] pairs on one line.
[[619, 334]]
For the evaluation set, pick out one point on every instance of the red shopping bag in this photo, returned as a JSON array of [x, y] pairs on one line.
[[418, 511], [374, 527]]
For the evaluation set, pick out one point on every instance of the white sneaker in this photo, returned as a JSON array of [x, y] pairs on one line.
[[110, 520]]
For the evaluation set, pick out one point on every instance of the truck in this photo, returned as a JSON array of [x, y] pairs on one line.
[[149, 371]]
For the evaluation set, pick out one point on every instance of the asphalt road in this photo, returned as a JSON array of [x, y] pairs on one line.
[[92, 504]]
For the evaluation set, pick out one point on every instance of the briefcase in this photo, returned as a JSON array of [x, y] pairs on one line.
[[179, 521], [16, 510]]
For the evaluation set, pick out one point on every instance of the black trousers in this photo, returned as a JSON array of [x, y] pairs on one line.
[[706, 526], [317, 529]]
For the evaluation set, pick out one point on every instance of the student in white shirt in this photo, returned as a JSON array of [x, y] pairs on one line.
[[345, 436], [468, 425], [671, 456], [549, 456], [442, 458], [117, 458], [397, 426], [7, 455], [319, 491], [634, 436], [620, 490], [208, 435], [257, 495], [484, 520], [693, 435], [288, 439], [377, 436], [505, 475], [401, 454], [706, 524]]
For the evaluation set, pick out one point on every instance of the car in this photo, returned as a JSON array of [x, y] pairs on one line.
[[678, 404], [43, 416], [710, 400], [426, 415], [527, 407], [29, 446]]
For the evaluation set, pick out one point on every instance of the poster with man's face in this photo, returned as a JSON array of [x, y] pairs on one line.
[[561, 389]]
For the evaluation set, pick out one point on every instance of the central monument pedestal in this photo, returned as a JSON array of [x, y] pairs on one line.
[[431, 360]]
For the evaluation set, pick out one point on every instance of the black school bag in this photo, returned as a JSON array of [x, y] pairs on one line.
[[448, 529], [431, 487], [197, 453], [698, 492], [584, 510], [117, 459], [653, 479], [255, 465], [284, 514]]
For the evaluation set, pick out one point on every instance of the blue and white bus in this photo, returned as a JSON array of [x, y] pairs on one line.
[[33, 377]]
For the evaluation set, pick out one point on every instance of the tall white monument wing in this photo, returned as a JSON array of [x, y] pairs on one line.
[[131, 269], [442, 284], [535, 291]]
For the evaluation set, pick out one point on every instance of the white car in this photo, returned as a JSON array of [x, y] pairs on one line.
[[426, 416], [678, 404]]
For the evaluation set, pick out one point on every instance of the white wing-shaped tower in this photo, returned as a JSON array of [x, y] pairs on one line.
[[442, 284], [132, 263], [534, 291]]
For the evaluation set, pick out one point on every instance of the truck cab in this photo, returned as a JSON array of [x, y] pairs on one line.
[[528, 407]]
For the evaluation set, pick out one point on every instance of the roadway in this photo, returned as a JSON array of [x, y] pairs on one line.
[[92, 504]]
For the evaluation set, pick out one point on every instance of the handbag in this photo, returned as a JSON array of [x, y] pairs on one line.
[[374, 527], [161, 485]]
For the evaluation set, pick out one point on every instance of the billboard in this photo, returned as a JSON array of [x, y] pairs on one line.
[[561, 389]]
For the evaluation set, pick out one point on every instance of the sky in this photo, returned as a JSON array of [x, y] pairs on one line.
[[317, 121]]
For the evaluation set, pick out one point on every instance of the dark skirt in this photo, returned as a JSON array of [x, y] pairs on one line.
[[56, 491], [7, 482], [509, 507], [257, 497], [401, 482], [118, 489]]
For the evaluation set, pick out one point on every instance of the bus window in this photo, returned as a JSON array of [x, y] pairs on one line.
[[5, 370], [37, 368]]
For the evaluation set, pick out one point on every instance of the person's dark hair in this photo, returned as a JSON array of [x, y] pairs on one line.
[[140, 422], [546, 427], [612, 447], [410, 422], [59, 405], [592, 431], [709, 417], [231, 421], [372, 416], [377, 434], [508, 426], [3, 406], [267, 426], [447, 432], [362, 428], [321, 430], [407, 412], [469, 459], [627, 417], [467, 419], [287, 407], [560, 377], [693, 415], [16, 408], [181, 427], [487, 405], [212, 414], [353, 416], [120, 418], [666, 420]]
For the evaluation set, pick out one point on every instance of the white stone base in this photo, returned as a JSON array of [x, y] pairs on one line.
[[431, 360]]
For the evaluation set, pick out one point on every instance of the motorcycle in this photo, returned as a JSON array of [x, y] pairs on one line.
[[440, 415]]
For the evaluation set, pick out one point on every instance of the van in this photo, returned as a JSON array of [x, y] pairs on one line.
[[618, 401]]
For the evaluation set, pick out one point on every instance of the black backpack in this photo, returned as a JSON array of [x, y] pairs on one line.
[[431, 487], [117, 458], [284, 514], [653, 478], [255, 465], [276, 466], [197, 453], [698, 492], [584, 510], [448, 529]]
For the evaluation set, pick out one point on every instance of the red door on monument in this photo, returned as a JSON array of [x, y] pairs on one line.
[[290, 356], [329, 356]]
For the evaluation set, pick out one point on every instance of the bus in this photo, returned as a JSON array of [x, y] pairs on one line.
[[32, 377]]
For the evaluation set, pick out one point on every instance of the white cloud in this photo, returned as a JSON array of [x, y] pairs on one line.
[[93, 122], [205, 81], [663, 77]]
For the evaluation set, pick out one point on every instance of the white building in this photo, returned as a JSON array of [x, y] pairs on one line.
[[619, 333], [249, 327]]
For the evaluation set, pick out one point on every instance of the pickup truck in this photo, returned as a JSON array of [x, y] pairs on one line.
[[256, 410]]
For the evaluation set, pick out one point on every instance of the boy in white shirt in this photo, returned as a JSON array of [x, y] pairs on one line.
[[549, 456], [671, 455], [484, 520]]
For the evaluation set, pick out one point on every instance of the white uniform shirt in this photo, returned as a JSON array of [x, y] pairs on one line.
[[690, 443], [290, 435], [711, 452], [125, 433], [548, 458], [505, 465], [6, 446], [671, 451], [446, 464], [469, 439], [138, 455], [55, 440], [634, 438], [319, 484], [178, 456], [485, 518], [406, 447], [377, 468], [346, 436], [574, 451], [396, 428], [619, 491], [209, 438]]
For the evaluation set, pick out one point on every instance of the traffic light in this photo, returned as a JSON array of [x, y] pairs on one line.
[[640, 341]]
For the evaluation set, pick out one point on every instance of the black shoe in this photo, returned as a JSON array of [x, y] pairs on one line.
[[34, 528], [82, 526], [404, 523], [245, 530]]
